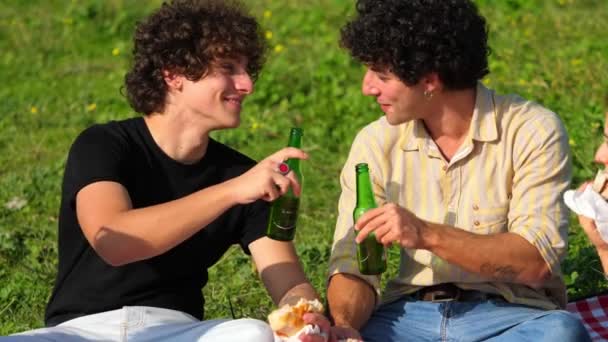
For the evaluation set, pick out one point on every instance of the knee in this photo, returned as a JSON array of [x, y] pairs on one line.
[[256, 329], [564, 326]]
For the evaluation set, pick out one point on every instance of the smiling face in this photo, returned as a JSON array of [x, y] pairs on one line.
[[215, 99], [400, 102]]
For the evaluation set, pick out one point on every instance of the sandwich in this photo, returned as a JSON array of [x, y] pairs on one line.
[[288, 320]]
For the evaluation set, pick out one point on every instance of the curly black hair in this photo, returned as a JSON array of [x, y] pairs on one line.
[[412, 38], [186, 37]]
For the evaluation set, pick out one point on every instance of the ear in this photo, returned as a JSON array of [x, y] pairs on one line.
[[432, 83], [173, 80]]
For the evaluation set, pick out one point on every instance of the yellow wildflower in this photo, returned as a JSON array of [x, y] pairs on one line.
[[91, 107], [576, 61], [34, 109], [572, 142], [278, 48], [115, 51], [267, 14], [268, 34]]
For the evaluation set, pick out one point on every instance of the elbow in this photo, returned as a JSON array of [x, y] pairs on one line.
[[113, 261], [110, 249], [109, 255]]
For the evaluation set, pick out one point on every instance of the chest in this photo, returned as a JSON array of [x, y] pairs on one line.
[[471, 191]]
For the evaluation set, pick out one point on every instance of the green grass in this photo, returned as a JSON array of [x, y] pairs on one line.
[[62, 65]]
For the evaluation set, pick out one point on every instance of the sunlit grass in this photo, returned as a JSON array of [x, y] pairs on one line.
[[62, 65]]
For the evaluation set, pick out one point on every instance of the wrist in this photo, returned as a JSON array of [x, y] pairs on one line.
[[231, 193], [429, 235]]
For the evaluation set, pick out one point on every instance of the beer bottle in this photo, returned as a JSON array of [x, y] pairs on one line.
[[371, 254], [284, 210]]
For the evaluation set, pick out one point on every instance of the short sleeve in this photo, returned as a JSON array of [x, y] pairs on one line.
[[254, 223], [96, 155]]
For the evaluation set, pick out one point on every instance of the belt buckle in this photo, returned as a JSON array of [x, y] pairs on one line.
[[439, 297]]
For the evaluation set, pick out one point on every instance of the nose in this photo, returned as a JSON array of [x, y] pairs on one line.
[[369, 87], [601, 155], [244, 83]]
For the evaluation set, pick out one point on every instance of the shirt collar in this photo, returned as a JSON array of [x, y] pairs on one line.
[[483, 123]]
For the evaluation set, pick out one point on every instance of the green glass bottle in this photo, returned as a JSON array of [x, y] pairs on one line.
[[284, 210], [371, 254]]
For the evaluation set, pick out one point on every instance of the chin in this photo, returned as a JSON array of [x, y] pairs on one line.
[[395, 121], [231, 120]]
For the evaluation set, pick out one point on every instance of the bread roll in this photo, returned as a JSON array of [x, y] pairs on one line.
[[288, 320]]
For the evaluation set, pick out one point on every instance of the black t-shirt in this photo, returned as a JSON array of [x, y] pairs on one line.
[[125, 152]]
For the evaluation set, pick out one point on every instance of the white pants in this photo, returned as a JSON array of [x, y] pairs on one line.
[[147, 324]]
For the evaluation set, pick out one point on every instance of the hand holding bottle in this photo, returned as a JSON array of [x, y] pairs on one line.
[[284, 210], [264, 181]]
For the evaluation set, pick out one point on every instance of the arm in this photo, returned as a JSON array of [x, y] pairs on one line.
[[284, 278], [121, 234], [281, 271], [351, 295], [594, 236], [351, 300], [504, 257]]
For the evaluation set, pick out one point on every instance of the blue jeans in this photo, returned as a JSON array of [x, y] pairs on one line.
[[488, 320]]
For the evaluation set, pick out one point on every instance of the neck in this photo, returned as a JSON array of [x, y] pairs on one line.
[[181, 137], [450, 117]]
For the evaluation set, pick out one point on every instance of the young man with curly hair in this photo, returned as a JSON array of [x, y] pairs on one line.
[[150, 203], [469, 182]]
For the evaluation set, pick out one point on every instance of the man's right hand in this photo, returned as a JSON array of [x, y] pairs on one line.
[[263, 181]]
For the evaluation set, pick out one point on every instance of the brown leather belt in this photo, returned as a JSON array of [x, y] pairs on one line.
[[447, 292]]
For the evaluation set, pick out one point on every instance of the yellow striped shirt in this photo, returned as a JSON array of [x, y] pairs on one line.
[[508, 176]]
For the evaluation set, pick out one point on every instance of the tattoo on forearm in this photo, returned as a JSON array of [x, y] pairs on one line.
[[504, 273]]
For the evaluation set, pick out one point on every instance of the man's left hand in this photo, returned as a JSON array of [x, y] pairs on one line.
[[392, 224]]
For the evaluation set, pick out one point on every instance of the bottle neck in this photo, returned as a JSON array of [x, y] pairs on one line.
[[295, 140], [365, 195]]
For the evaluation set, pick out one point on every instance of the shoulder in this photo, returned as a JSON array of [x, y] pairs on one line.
[[527, 114], [529, 124], [382, 135], [111, 137], [106, 132]]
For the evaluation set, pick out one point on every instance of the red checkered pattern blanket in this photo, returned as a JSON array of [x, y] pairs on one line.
[[593, 311]]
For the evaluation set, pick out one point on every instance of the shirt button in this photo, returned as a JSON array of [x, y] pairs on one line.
[[475, 207], [476, 223], [444, 167]]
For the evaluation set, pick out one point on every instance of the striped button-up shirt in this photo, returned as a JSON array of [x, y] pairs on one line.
[[508, 176]]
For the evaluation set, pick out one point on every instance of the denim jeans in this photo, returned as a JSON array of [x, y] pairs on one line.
[[147, 324], [488, 320]]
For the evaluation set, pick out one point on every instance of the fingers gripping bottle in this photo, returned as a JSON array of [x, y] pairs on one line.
[[284, 210], [371, 254]]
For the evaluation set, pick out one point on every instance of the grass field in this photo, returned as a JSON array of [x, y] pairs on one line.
[[62, 63]]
